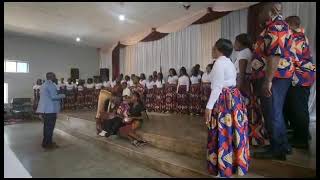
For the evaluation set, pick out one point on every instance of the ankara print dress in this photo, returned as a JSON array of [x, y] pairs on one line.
[[159, 102], [182, 100], [149, 99], [228, 143], [170, 97], [205, 94], [194, 99]]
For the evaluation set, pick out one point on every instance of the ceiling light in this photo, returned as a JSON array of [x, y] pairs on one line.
[[121, 17], [78, 39]]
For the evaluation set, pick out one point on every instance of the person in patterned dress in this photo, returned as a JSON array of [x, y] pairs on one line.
[[80, 95], [296, 105], [182, 92], [194, 94], [137, 87], [170, 91], [36, 94], [70, 95], [89, 93], [205, 88], [97, 88], [272, 71], [159, 101], [150, 93], [257, 133], [226, 118]]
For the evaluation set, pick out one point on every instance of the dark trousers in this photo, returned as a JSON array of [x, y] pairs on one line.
[[113, 125], [48, 127], [296, 112], [272, 109]]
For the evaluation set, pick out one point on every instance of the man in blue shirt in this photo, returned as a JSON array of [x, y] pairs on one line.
[[49, 106]]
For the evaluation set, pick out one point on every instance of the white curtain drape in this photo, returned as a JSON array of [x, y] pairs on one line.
[[234, 24], [307, 13], [186, 48]]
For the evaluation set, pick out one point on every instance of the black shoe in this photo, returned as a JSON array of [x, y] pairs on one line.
[[107, 134], [270, 155]]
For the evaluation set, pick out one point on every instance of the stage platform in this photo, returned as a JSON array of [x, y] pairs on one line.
[[178, 145]]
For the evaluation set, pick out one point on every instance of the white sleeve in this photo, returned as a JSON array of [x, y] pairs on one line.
[[245, 54], [178, 86], [188, 83], [217, 79]]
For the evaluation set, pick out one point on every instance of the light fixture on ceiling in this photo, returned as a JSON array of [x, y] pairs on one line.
[[78, 39], [121, 17]]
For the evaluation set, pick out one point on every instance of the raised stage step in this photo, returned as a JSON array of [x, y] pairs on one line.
[[174, 156]]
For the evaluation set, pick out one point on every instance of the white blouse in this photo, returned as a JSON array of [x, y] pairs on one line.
[[106, 84], [130, 83], [244, 54], [223, 74], [35, 87], [195, 79], [98, 85], [143, 82], [173, 79], [70, 86], [183, 80], [205, 78], [159, 84], [80, 88], [150, 84], [90, 86], [113, 83]]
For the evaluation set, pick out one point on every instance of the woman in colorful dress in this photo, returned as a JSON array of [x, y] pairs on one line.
[[36, 94], [170, 91], [137, 87], [182, 92], [257, 132], [205, 87], [226, 118], [89, 93], [70, 95], [80, 95], [159, 94], [194, 94], [143, 80], [149, 94]]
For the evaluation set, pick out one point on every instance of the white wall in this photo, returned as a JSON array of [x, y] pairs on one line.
[[44, 56]]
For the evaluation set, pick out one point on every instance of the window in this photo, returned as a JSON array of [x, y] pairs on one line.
[[5, 93], [16, 66]]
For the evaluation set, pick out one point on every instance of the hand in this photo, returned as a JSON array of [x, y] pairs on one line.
[[266, 88], [207, 116]]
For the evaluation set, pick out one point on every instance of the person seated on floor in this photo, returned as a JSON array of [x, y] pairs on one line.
[[126, 116]]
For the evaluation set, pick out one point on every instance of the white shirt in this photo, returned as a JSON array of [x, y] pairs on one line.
[[126, 92], [69, 87], [205, 77], [130, 83], [195, 79], [98, 85], [150, 84], [173, 79], [90, 86], [106, 84], [143, 82], [159, 84], [35, 87], [223, 74], [123, 81], [244, 54], [183, 80], [113, 83], [80, 88]]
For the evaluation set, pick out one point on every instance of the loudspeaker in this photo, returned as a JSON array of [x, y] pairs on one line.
[[104, 74], [74, 73]]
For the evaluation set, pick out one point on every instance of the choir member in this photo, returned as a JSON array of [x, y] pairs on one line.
[[150, 93], [182, 91], [194, 94], [205, 87], [170, 91], [89, 95], [36, 94], [70, 95], [159, 94]]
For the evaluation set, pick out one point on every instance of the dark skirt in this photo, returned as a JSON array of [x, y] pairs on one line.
[[36, 96], [89, 96], [170, 97], [182, 100], [228, 141], [96, 97], [159, 102], [80, 99], [149, 99], [194, 99], [70, 100], [205, 94]]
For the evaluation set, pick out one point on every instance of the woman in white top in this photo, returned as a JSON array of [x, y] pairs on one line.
[[159, 105], [36, 94], [142, 80], [242, 64], [170, 91], [205, 87], [97, 88], [80, 95], [226, 118], [70, 95], [150, 93], [182, 92], [194, 94], [89, 94]]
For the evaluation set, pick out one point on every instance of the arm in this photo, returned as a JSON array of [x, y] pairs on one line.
[[178, 86], [188, 84], [53, 93], [217, 84]]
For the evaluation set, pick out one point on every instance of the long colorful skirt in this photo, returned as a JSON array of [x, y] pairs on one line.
[[194, 99], [159, 102], [70, 100], [149, 99], [205, 94], [228, 143], [80, 100], [89, 96], [257, 132], [182, 100], [171, 97]]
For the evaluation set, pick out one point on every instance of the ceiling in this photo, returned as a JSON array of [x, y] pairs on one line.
[[96, 23]]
